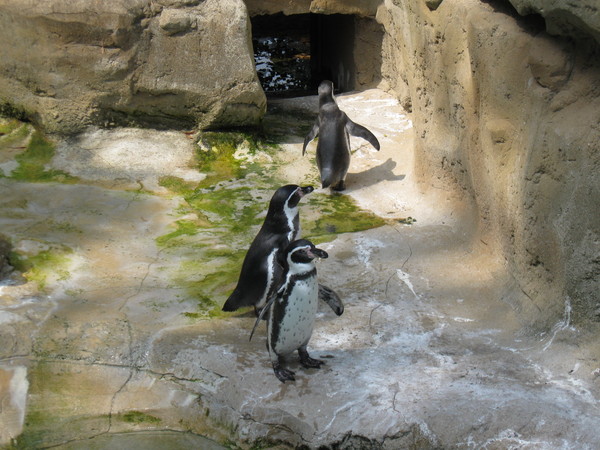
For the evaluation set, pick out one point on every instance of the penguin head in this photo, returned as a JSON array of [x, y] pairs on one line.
[[325, 88], [288, 196], [303, 251]]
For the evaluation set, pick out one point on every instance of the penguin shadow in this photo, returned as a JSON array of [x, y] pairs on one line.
[[369, 177]]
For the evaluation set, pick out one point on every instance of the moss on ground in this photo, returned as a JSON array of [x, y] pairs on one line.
[[34, 160], [219, 215], [48, 264], [336, 214], [228, 209], [137, 417], [36, 153], [12, 127], [216, 155]]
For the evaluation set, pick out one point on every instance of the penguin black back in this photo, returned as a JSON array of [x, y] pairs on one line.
[[334, 127], [262, 268]]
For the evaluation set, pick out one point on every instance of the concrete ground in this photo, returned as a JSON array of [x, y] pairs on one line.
[[428, 352]]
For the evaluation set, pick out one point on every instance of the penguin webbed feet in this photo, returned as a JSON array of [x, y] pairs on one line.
[[336, 187], [283, 374], [340, 186], [307, 361]]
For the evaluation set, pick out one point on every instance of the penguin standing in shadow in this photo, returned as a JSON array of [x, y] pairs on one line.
[[334, 129], [292, 311], [262, 269]]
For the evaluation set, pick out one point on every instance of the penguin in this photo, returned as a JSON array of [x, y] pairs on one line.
[[292, 311], [262, 268], [333, 149]]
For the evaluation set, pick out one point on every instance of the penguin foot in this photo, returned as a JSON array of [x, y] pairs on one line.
[[311, 363], [283, 374], [307, 361], [340, 186]]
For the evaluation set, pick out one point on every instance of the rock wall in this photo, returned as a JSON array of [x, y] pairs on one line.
[[564, 18], [176, 63], [361, 8], [509, 115]]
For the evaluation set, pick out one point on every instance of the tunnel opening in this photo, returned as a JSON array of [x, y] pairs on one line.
[[294, 53]]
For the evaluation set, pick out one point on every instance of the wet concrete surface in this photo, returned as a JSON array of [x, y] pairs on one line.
[[428, 353]]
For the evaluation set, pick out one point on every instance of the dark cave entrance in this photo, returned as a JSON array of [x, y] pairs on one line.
[[293, 54]]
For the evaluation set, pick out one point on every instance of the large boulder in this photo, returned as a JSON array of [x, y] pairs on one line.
[[177, 63]]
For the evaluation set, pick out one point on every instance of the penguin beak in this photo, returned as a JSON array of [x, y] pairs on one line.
[[305, 190], [317, 253]]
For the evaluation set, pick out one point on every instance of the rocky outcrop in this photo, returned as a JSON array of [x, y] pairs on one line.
[[509, 115], [175, 63], [580, 18]]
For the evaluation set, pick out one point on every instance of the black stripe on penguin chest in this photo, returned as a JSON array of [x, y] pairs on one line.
[[294, 313]]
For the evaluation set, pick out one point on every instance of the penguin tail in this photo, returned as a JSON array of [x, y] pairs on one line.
[[232, 303], [326, 179]]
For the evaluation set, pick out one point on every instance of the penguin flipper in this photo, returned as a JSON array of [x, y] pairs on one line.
[[362, 132], [311, 135], [260, 316], [331, 297]]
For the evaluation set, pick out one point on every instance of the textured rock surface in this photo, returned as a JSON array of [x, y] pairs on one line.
[[478, 326], [509, 115], [359, 7], [567, 18], [69, 64], [427, 353]]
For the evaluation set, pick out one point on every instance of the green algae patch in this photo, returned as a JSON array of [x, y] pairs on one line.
[[32, 152], [212, 246], [47, 265], [330, 215], [12, 127], [176, 185], [212, 252], [234, 208], [137, 417], [221, 215], [229, 155], [184, 228], [216, 158], [33, 162]]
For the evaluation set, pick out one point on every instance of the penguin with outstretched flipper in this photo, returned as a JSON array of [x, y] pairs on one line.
[[334, 128]]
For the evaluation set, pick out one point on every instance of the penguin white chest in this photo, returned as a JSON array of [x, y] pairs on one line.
[[298, 319]]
